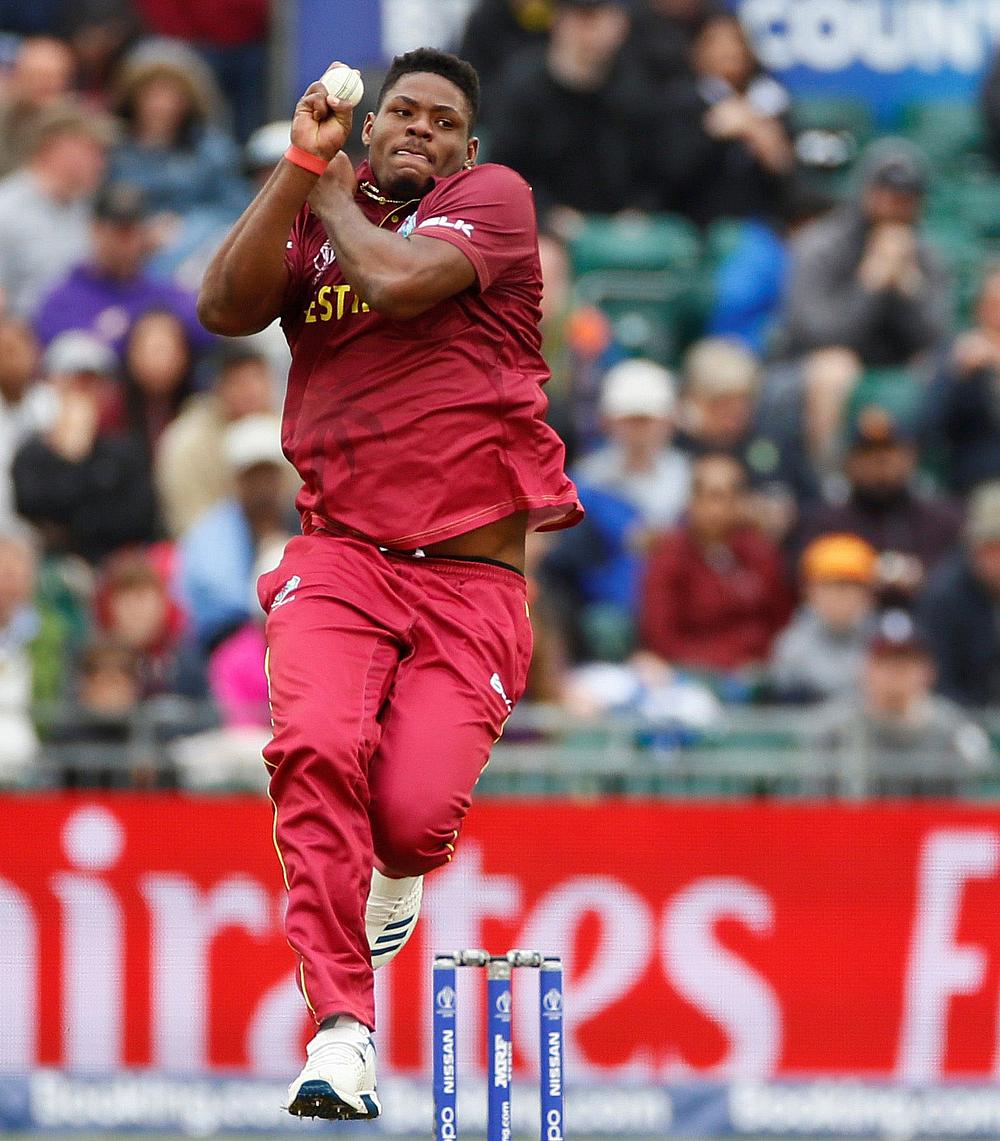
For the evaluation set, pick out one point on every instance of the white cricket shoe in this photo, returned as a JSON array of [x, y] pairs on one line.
[[338, 1079], [391, 914]]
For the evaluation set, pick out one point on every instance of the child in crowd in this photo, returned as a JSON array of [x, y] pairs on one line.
[[820, 653]]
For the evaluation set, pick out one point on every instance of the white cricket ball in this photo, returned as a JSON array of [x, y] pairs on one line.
[[344, 83]]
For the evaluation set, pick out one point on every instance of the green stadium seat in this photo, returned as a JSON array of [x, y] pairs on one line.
[[652, 315], [949, 132], [979, 208], [644, 273], [964, 252], [647, 242]]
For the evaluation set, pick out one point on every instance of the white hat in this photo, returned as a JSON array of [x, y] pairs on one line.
[[638, 388], [76, 351], [254, 440], [267, 144]]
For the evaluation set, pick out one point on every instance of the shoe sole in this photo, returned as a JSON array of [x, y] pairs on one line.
[[320, 1099]]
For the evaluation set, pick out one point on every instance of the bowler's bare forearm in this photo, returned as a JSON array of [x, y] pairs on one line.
[[245, 282]]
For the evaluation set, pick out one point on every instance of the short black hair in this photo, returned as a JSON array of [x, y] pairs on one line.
[[448, 66]]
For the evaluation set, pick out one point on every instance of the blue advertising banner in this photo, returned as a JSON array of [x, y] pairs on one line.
[[324, 31], [366, 33], [51, 1101], [886, 52]]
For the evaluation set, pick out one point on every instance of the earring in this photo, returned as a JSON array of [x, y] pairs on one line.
[[469, 163]]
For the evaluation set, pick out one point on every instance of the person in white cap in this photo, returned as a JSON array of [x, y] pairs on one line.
[[633, 487], [87, 487], [638, 464]]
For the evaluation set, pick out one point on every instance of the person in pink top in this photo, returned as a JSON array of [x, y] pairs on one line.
[[398, 634]]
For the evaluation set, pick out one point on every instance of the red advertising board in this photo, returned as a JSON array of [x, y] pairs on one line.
[[702, 941]]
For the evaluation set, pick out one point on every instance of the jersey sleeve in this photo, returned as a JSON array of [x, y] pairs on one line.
[[488, 213]]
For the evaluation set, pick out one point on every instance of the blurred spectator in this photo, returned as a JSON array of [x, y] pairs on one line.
[[568, 116], [99, 32], [104, 294], [726, 150], [20, 626], [495, 31], [663, 32], [237, 679], [750, 282], [45, 205], [962, 409], [94, 733], [719, 413], [638, 464], [633, 487], [172, 147], [159, 367], [910, 531], [40, 78], [134, 610], [578, 346], [186, 260], [191, 469], [231, 35], [25, 407], [261, 154], [819, 654], [263, 150], [217, 555], [959, 607], [902, 738], [550, 659], [86, 487], [675, 709], [230, 756], [862, 278], [714, 595]]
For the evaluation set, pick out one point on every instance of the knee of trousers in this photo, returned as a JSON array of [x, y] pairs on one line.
[[413, 845], [316, 763]]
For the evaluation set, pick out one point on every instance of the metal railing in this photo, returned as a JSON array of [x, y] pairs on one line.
[[768, 751]]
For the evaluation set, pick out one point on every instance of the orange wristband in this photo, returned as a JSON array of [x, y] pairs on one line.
[[313, 163]]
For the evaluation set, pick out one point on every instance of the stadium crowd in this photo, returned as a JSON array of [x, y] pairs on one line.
[[775, 349]]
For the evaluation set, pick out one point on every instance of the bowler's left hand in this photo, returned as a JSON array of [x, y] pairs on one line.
[[338, 181]]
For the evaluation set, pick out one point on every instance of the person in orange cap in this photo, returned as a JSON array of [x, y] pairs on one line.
[[820, 653]]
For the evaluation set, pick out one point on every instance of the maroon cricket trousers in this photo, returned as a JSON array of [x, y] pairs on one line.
[[390, 678]]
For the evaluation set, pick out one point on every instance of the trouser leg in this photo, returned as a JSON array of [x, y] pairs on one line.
[[330, 669], [450, 698]]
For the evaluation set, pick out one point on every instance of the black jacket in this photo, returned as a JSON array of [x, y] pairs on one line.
[[960, 621], [91, 507], [583, 149]]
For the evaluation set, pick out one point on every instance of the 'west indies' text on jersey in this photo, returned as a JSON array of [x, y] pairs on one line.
[[410, 432]]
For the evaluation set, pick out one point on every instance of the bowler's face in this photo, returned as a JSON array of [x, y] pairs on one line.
[[420, 132]]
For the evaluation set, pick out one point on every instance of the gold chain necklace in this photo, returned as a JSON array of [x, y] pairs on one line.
[[372, 192]]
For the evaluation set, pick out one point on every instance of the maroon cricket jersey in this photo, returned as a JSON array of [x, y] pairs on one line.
[[410, 432]]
